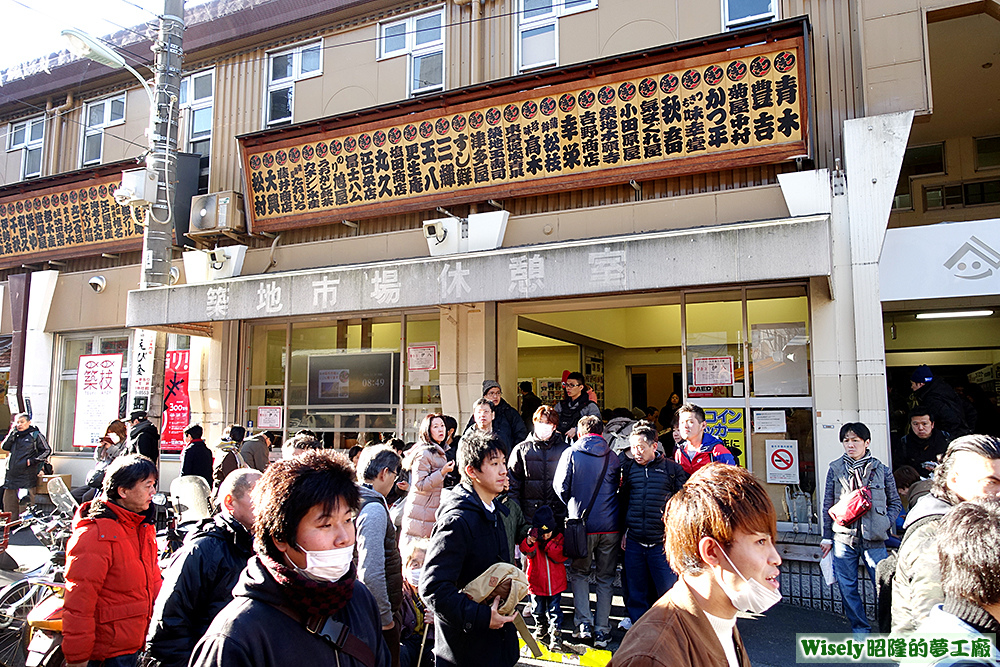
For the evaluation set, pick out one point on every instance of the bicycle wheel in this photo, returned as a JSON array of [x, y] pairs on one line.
[[16, 600]]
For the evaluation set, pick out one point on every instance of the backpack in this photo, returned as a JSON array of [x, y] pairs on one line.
[[885, 573]]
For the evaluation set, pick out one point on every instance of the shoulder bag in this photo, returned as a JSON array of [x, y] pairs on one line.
[[855, 504], [575, 539]]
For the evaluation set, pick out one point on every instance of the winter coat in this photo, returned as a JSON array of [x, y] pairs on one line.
[[617, 431], [508, 427], [570, 411], [254, 452], [196, 459], [951, 412], [529, 403], [958, 620], [576, 476], [112, 579], [380, 566], [467, 540], [875, 524], [227, 460], [916, 587], [546, 566], [143, 438], [712, 450], [675, 633], [513, 522], [915, 451], [28, 451], [531, 470], [644, 494], [425, 463], [253, 632], [198, 584]]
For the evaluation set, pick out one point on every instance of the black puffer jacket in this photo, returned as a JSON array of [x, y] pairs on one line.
[[252, 632], [197, 585], [532, 470], [143, 438], [467, 540], [644, 493], [28, 450]]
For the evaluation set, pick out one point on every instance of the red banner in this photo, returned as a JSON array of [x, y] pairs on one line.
[[176, 403]]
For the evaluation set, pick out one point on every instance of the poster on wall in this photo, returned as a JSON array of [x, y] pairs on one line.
[[339, 382], [98, 390], [729, 426], [176, 400], [269, 417], [422, 357], [782, 457], [713, 371], [141, 374]]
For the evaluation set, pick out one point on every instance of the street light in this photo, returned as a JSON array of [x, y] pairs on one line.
[[83, 45]]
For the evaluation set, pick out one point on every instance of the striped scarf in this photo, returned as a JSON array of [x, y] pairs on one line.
[[857, 468]]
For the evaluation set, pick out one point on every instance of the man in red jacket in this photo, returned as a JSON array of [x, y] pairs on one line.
[[112, 572]]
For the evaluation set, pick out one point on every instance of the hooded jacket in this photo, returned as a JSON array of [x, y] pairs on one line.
[[531, 470], [579, 471], [254, 451], [143, 438], [379, 563], [712, 450], [112, 579], [198, 584], [425, 463], [28, 451], [644, 494], [467, 540], [916, 587], [546, 566], [252, 631]]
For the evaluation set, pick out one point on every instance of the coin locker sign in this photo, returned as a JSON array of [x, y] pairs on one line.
[[647, 122]]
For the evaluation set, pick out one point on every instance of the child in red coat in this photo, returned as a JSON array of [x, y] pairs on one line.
[[543, 547]]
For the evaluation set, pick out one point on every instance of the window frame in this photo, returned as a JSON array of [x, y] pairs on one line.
[[412, 50], [190, 107], [289, 81], [558, 9], [975, 143], [27, 144], [99, 128], [758, 19], [929, 174]]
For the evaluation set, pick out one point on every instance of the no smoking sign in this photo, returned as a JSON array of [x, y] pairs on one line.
[[782, 458]]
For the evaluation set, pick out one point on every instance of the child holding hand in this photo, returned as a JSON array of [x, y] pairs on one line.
[[543, 547]]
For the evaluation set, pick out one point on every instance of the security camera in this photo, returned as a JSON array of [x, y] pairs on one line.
[[217, 258], [97, 283], [124, 196], [434, 229]]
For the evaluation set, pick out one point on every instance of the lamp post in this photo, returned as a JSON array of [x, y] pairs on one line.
[[161, 159]]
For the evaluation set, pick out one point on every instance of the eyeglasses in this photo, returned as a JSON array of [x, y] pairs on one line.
[[571, 386]]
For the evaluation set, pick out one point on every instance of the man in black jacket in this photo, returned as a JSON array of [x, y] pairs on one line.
[[199, 581], [649, 480], [507, 424], [143, 438], [196, 457], [952, 413], [468, 539]]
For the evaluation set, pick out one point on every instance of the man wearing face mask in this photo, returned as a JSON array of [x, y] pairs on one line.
[[533, 466], [720, 532], [299, 601]]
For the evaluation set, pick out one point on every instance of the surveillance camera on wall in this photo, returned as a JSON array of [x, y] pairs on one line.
[[97, 283], [217, 258], [435, 229]]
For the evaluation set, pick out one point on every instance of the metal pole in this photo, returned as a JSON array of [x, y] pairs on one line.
[[157, 239]]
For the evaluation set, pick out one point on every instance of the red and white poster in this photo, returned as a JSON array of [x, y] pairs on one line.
[[98, 390], [176, 402]]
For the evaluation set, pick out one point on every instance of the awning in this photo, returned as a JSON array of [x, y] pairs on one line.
[[738, 253]]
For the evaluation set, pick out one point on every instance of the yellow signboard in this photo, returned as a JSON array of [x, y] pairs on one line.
[[634, 120]]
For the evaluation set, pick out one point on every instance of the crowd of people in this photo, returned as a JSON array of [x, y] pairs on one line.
[[380, 561]]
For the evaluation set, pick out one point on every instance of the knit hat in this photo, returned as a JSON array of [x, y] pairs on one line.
[[544, 520], [489, 384], [922, 374]]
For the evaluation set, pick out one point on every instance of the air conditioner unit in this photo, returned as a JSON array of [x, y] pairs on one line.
[[217, 213]]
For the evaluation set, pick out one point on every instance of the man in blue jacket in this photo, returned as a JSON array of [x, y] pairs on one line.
[[577, 477]]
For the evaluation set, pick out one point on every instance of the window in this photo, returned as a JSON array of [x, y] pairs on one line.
[[988, 153], [917, 161], [27, 136], [197, 94], [72, 347], [745, 13], [538, 30], [283, 70], [97, 117], [955, 195], [421, 38]]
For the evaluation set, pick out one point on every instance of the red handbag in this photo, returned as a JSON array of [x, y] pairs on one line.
[[854, 505]]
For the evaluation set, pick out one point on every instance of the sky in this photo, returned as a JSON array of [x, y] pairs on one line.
[[30, 29]]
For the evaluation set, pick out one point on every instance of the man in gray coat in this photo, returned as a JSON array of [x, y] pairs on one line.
[[254, 450]]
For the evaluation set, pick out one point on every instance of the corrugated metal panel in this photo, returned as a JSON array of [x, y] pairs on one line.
[[238, 98]]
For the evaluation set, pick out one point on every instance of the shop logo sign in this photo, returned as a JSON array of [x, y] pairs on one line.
[[973, 259]]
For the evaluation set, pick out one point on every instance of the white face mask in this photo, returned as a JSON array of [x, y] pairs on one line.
[[755, 597], [544, 431], [413, 576], [329, 565]]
